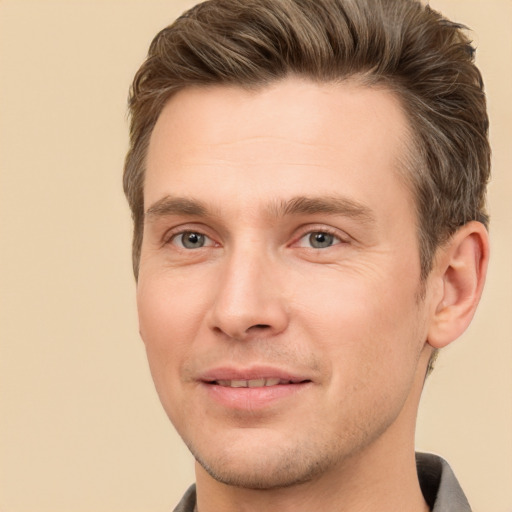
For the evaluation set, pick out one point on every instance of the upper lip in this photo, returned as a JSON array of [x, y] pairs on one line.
[[251, 373]]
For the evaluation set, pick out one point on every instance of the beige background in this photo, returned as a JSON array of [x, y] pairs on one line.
[[80, 425]]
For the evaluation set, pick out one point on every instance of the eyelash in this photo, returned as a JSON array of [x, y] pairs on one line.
[[175, 235], [321, 230], [337, 239]]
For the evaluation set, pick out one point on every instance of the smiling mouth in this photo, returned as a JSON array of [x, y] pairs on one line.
[[255, 383]]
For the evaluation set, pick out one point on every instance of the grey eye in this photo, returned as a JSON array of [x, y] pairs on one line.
[[320, 240], [191, 240]]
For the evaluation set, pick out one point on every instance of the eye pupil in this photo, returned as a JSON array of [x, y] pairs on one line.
[[320, 240], [192, 240]]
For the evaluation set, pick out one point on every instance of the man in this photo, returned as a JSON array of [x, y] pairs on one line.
[[307, 182]]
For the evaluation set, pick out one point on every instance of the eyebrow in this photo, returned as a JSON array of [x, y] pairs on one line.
[[300, 205], [332, 205], [169, 205]]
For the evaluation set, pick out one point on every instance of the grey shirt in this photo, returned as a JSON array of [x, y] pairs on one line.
[[440, 488]]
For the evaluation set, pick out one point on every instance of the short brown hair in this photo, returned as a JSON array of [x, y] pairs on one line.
[[403, 45]]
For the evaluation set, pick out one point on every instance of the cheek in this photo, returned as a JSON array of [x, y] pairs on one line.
[[369, 328], [372, 343], [167, 326], [168, 308], [168, 323]]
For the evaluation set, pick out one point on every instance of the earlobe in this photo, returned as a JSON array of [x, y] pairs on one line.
[[461, 267]]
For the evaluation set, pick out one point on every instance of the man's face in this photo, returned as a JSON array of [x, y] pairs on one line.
[[279, 278]]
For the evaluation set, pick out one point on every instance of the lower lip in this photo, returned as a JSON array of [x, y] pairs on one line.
[[252, 398]]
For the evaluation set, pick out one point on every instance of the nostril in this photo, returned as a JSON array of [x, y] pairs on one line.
[[260, 326]]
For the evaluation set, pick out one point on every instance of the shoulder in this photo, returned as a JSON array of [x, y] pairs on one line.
[[439, 485], [188, 502]]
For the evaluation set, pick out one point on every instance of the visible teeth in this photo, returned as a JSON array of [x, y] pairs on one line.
[[256, 383], [238, 384], [253, 383]]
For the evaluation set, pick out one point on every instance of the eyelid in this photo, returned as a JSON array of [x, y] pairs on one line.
[[177, 240], [173, 233], [304, 231]]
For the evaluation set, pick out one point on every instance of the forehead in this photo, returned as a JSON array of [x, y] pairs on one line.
[[289, 137]]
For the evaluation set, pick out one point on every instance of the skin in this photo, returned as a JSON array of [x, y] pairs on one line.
[[281, 242]]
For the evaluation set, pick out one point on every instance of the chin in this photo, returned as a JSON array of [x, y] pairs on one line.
[[260, 478], [265, 467]]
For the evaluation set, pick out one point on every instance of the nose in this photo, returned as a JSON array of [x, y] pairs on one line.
[[249, 301]]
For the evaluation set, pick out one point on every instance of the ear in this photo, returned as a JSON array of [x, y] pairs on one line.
[[460, 268]]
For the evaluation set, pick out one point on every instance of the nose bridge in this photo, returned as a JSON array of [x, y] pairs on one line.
[[249, 297]]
